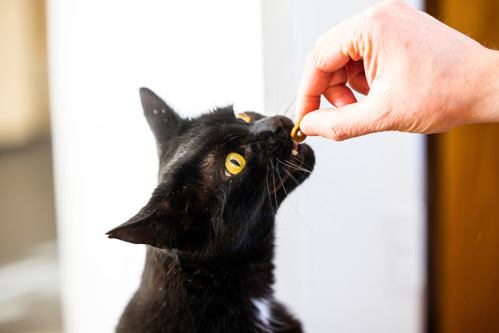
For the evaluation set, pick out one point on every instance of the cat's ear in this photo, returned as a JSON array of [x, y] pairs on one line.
[[165, 123], [158, 223]]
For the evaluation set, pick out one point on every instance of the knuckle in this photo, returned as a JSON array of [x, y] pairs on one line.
[[383, 13], [335, 132], [315, 58], [339, 76], [377, 14]]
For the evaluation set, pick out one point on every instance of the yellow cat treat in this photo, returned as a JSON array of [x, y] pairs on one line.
[[297, 135]]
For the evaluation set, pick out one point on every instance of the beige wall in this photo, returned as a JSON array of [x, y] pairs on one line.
[[24, 111]]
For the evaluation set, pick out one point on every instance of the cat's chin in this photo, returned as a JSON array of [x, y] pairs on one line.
[[297, 167], [302, 160]]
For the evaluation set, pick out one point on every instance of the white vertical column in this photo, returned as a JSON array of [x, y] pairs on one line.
[[195, 54]]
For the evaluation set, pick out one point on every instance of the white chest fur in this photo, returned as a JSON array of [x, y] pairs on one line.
[[264, 314]]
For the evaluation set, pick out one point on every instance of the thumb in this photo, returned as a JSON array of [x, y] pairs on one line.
[[346, 122]]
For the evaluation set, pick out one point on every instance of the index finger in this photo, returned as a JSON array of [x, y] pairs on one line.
[[332, 52], [313, 84]]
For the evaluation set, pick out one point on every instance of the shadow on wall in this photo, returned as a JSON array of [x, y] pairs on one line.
[[29, 288]]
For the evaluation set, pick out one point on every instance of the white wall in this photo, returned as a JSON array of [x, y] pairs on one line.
[[350, 247], [352, 238], [195, 54]]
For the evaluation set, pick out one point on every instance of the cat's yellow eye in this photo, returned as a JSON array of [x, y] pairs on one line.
[[244, 117], [234, 163]]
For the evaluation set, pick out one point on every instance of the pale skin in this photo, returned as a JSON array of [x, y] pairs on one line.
[[419, 75]]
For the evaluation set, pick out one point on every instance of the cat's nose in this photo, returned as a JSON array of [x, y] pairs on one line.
[[273, 125], [283, 122]]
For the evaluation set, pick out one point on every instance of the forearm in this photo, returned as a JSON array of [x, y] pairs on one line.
[[487, 108]]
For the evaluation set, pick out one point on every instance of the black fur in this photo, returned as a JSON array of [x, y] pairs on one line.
[[210, 235]]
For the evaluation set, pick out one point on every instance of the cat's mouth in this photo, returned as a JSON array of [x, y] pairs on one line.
[[302, 158], [294, 151], [294, 169]]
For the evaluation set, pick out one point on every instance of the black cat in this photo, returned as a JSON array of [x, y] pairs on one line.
[[209, 225]]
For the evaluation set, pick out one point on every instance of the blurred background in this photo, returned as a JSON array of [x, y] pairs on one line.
[[29, 275], [392, 232]]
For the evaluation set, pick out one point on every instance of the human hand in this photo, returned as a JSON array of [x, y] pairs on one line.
[[419, 76]]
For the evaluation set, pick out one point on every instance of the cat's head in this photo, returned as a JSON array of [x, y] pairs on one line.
[[222, 177]]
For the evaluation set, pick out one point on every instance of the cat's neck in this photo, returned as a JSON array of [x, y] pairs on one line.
[[250, 272]]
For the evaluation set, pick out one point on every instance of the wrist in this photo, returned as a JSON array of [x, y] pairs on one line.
[[487, 106]]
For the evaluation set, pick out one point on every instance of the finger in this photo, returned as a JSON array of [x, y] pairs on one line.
[[357, 76], [313, 84], [343, 123], [338, 93], [334, 50]]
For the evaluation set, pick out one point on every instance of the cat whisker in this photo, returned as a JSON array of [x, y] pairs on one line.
[[301, 168], [317, 202], [289, 106], [268, 189], [304, 188], [294, 166], [297, 212], [327, 180], [292, 177], [279, 174], [301, 163], [275, 189], [297, 168], [232, 136], [282, 182]]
